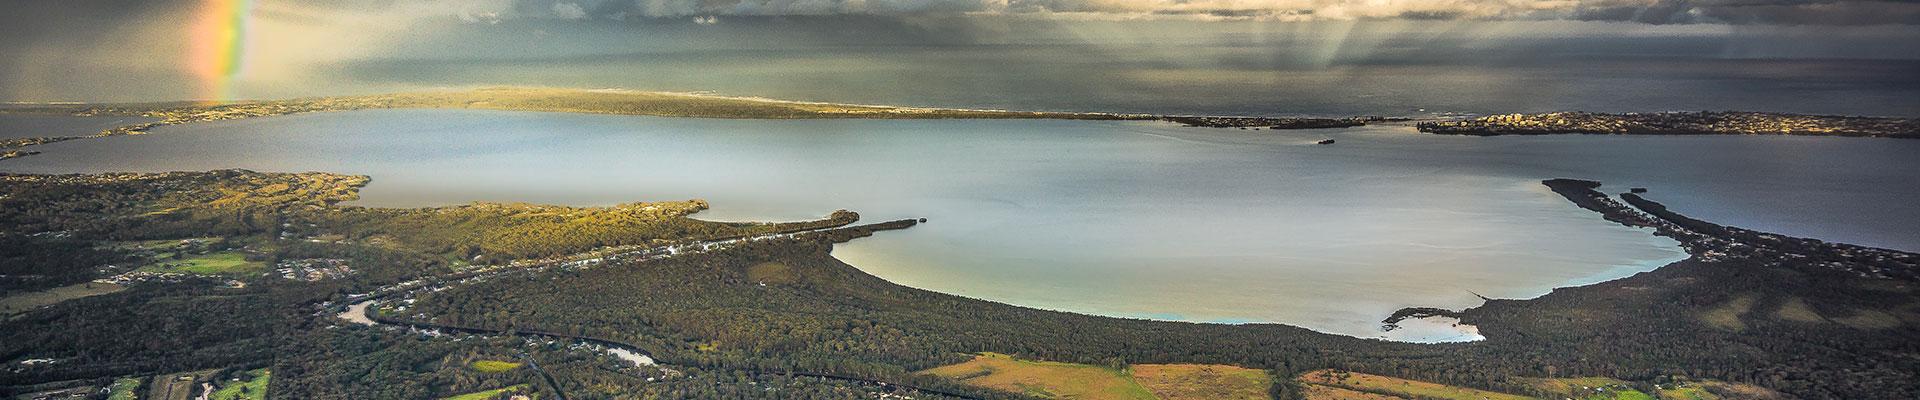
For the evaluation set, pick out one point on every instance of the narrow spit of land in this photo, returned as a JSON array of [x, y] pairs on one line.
[[1714, 243]]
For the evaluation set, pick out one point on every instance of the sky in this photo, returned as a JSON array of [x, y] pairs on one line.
[[116, 50]]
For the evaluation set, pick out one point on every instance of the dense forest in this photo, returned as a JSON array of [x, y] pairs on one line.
[[781, 318]]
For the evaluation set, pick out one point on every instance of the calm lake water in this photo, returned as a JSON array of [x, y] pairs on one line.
[[1130, 219]]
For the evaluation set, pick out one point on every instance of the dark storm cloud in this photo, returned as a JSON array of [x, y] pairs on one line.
[[31, 19], [1757, 12], [1780, 12]]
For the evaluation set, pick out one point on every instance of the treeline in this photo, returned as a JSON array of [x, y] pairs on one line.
[[31, 264], [144, 330], [492, 233]]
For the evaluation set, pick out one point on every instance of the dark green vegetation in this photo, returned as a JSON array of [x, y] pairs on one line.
[[781, 318], [1677, 123], [178, 241]]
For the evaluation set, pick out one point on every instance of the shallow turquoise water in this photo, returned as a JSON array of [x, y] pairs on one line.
[[1133, 219]]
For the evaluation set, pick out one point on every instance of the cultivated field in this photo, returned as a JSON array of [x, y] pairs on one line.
[[253, 387], [28, 301], [1395, 387], [486, 394], [1590, 389], [493, 366], [124, 389], [1082, 381], [177, 386], [1200, 381], [1044, 378]]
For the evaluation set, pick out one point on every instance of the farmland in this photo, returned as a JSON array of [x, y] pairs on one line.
[[1396, 387], [493, 366], [251, 386], [1044, 378], [1590, 389], [28, 301], [227, 263], [1200, 381], [124, 389], [487, 394], [1084, 381], [177, 386]]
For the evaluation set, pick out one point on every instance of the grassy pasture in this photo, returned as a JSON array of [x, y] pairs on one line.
[[1201, 381], [254, 388], [772, 273], [216, 263], [486, 394], [1727, 316], [1044, 378], [1323, 392], [177, 386], [493, 366], [1396, 387], [1716, 390], [27, 301], [1591, 388], [1048, 379], [124, 389]]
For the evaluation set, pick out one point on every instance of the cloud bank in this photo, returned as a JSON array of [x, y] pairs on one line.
[[118, 50], [1777, 12]]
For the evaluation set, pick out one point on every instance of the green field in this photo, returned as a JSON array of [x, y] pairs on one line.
[[1201, 381], [217, 263], [1396, 387], [493, 366], [28, 301], [1060, 380], [1044, 378], [1687, 392], [1716, 390], [251, 389], [488, 394], [124, 389], [1591, 388], [177, 386]]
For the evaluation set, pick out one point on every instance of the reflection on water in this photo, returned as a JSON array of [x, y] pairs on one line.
[[1129, 219]]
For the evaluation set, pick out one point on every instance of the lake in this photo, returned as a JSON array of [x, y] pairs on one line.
[[1131, 219]]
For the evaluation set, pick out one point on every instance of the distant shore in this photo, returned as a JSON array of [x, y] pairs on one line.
[[1677, 123], [689, 105]]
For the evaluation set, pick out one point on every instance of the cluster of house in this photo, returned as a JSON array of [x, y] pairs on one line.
[[314, 269]]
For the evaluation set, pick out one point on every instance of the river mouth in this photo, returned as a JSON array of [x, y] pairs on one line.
[[1125, 219]]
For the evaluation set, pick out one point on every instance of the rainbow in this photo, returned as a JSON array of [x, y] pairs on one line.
[[218, 44]]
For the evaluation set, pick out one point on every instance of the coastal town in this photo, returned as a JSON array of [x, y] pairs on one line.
[[1276, 123], [1676, 123]]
